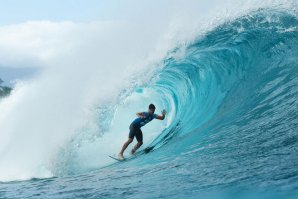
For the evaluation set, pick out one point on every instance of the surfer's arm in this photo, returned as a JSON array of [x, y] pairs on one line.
[[140, 114], [161, 117]]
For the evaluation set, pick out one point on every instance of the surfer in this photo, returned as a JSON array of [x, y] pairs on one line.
[[135, 128]]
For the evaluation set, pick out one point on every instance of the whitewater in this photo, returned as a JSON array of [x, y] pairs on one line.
[[226, 74]]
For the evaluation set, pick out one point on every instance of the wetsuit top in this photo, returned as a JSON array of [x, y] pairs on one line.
[[139, 122]]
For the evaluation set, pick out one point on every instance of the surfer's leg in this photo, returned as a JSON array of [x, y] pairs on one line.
[[130, 139], [125, 145], [139, 136]]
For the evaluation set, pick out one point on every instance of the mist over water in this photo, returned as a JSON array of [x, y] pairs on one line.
[[226, 73]]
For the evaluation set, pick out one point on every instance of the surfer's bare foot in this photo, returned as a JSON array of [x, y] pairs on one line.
[[132, 151], [120, 156]]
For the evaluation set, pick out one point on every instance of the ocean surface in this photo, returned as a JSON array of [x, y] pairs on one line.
[[231, 131]]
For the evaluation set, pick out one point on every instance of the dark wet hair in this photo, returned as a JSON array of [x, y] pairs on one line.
[[151, 106]]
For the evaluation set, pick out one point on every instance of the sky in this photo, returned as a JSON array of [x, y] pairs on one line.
[[18, 11]]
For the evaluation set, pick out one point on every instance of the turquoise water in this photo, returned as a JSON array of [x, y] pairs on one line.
[[234, 95]]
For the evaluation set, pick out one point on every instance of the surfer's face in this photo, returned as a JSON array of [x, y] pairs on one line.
[[151, 111]]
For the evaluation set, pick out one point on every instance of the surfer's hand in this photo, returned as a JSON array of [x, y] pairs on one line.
[[164, 112]]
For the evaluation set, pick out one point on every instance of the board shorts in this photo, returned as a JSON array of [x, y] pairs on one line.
[[135, 132]]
